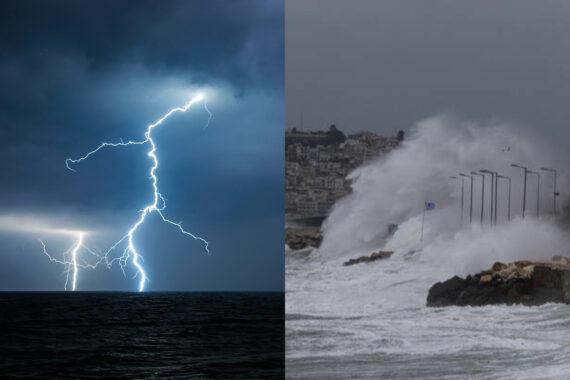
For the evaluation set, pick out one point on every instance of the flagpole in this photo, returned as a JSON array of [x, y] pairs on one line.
[[423, 218]]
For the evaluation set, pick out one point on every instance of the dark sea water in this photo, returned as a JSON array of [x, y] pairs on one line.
[[88, 335]]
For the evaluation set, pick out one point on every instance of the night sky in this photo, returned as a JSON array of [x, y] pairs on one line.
[[76, 73]]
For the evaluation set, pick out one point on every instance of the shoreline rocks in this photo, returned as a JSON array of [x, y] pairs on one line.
[[522, 282], [381, 255], [301, 238]]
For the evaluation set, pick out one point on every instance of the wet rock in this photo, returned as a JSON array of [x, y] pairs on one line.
[[521, 282], [486, 278], [523, 263], [440, 292], [561, 259], [381, 255], [301, 238], [498, 266]]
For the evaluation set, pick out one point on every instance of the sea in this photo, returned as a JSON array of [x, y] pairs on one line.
[[370, 321], [103, 335]]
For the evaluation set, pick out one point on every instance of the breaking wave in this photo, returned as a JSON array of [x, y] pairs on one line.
[[375, 313]]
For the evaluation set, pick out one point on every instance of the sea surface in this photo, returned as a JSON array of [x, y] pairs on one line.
[[370, 321], [88, 335]]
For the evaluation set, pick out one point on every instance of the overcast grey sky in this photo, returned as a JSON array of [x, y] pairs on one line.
[[384, 65]]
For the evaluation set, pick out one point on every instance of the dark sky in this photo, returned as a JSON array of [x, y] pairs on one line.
[[76, 73], [384, 65]]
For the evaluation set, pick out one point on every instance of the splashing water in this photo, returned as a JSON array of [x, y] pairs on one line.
[[371, 321]]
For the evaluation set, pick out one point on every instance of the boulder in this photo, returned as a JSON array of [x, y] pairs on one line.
[[522, 263], [498, 266], [521, 282], [486, 278], [301, 238], [381, 255]]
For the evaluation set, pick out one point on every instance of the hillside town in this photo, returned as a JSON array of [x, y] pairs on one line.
[[317, 164]]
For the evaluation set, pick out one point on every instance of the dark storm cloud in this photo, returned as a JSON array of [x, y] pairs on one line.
[[76, 73], [64, 66], [207, 39], [54, 54], [384, 65]]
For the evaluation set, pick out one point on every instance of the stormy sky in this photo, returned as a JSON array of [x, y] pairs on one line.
[[76, 73], [385, 65]]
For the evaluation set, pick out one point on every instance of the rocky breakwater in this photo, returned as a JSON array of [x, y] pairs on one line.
[[301, 238], [521, 282], [381, 255]]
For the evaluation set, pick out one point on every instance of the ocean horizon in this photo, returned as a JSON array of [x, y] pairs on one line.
[[174, 334]]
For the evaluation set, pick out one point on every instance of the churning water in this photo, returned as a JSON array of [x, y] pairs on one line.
[[88, 335], [371, 321]]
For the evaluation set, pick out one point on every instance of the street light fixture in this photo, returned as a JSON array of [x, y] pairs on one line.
[[482, 192], [537, 191], [555, 193], [524, 186], [509, 198], [493, 193], [471, 196]]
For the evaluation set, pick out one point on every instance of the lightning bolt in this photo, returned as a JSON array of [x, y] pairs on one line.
[[158, 205], [71, 260]]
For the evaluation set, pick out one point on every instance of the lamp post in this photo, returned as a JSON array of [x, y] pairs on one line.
[[537, 191], [496, 197], [524, 186], [555, 193], [493, 193], [482, 192], [471, 196], [462, 194], [509, 198]]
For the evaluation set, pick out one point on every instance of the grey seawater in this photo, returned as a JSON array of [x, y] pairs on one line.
[[371, 322], [90, 335]]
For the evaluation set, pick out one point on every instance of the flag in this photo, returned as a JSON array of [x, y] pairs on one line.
[[430, 205]]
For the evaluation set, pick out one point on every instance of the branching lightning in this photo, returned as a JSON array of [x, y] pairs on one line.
[[71, 259]]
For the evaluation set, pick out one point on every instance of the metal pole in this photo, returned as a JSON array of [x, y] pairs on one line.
[[538, 195], [509, 196], [423, 217], [471, 196], [492, 187], [524, 186], [492, 197], [494, 200], [462, 197], [482, 196], [554, 192], [537, 191], [509, 204], [524, 191], [471, 202], [496, 191], [482, 193]]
